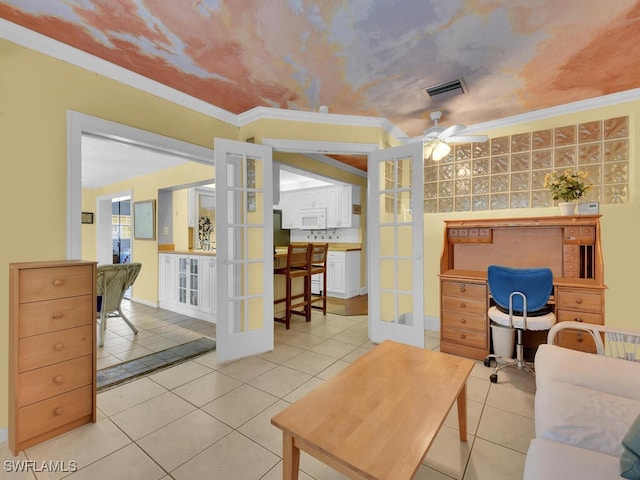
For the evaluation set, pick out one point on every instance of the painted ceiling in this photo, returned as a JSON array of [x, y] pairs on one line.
[[359, 57]]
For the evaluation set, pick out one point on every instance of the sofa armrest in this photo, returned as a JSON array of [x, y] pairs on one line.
[[598, 372]]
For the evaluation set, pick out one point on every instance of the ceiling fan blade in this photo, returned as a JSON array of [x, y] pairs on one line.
[[428, 149], [452, 130], [467, 139]]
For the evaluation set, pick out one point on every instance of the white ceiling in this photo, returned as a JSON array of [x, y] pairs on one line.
[[105, 162]]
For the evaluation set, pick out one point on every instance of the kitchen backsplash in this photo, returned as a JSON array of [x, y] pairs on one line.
[[331, 235]]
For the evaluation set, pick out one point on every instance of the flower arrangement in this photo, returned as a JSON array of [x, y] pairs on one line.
[[567, 187], [205, 227]]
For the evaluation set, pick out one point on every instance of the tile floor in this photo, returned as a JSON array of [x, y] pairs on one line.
[[204, 419], [158, 330]]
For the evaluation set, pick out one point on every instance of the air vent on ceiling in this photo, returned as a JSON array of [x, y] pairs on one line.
[[446, 90]]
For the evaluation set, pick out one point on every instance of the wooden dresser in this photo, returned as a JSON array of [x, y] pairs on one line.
[[52, 349], [569, 246]]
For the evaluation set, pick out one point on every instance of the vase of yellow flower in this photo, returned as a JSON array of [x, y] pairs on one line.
[[567, 188]]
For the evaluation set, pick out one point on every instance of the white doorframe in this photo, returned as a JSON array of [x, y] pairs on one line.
[[79, 124]]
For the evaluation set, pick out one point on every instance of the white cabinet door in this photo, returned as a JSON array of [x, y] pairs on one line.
[[332, 206], [313, 198], [290, 202], [188, 280], [344, 206], [207, 284], [166, 279], [336, 280]]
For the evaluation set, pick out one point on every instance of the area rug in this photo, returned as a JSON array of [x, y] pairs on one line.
[[116, 374]]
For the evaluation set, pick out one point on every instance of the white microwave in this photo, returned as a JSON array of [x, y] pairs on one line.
[[313, 219]]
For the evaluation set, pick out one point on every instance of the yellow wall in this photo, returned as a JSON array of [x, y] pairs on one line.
[[36, 93], [619, 223]]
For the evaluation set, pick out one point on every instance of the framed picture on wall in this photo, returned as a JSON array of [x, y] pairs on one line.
[[144, 220]]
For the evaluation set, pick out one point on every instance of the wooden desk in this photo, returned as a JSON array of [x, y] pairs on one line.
[[569, 246], [379, 416]]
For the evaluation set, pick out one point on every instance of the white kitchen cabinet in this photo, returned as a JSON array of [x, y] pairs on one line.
[[166, 278], [290, 202], [186, 284], [313, 198], [343, 274], [207, 284]]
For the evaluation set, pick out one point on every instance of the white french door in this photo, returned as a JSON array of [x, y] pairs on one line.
[[244, 248], [396, 237]]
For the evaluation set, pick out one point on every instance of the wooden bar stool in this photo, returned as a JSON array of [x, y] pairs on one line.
[[318, 264], [298, 258]]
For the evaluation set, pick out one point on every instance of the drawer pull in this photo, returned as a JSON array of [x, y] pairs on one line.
[[58, 315], [57, 347], [463, 320], [58, 283], [462, 336], [57, 379], [462, 305], [577, 319], [462, 288], [58, 411], [579, 338], [578, 301]]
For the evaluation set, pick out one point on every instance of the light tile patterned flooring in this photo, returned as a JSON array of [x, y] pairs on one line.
[[205, 419]]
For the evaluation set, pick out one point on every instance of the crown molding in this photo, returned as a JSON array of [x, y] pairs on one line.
[[309, 146], [335, 163], [568, 108], [53, 48], [261, 113]]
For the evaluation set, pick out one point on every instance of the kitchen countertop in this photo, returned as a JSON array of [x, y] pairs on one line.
[[206, 253]]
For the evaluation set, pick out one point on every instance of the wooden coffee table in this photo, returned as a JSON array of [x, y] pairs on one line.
[[378, 417]]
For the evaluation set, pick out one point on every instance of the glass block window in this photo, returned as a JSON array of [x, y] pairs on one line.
[[508, 172]]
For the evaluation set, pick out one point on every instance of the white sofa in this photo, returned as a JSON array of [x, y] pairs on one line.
[[584, 406]]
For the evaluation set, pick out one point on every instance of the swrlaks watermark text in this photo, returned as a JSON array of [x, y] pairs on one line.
[[53, 466]]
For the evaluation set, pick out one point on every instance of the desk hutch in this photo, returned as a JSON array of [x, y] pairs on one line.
[[570, 246]]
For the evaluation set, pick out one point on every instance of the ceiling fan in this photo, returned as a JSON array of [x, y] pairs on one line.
[[437, 139]]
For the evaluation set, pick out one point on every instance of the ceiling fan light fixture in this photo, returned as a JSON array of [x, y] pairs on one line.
[[440, 150]]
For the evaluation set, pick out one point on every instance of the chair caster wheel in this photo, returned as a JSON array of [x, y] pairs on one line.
[[487, 362], [493, 377]]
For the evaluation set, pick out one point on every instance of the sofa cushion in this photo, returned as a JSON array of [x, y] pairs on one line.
[[551, 460], [583, 417], [630, 459], [606, 374]]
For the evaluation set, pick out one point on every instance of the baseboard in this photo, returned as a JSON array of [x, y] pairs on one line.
[[144, 302], [4, 435], [363, 291], [432, 323]]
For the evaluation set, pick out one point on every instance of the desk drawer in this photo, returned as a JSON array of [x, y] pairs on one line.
[[466, 320], [576, 340], [41, 350], [467, 291], [52, 315], [55, 412], [472, 338], [53, 380], [464, 307], [583, 300], [56, 282], [576, 316]]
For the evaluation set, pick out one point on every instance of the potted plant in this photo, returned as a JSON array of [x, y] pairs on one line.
[[567, 188]]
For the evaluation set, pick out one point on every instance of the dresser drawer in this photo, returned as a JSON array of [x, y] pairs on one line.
[[55, 282], [41, 350], [472, 338], [45, 382], [587, 301], [575, 316], [55, 412], [465, 320], [464, 306], [52, 315]]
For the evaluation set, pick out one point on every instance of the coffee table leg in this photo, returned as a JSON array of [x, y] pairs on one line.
[[462, 412], [290, 458]]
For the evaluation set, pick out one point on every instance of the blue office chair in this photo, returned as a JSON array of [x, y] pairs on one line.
[[520, 296]]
